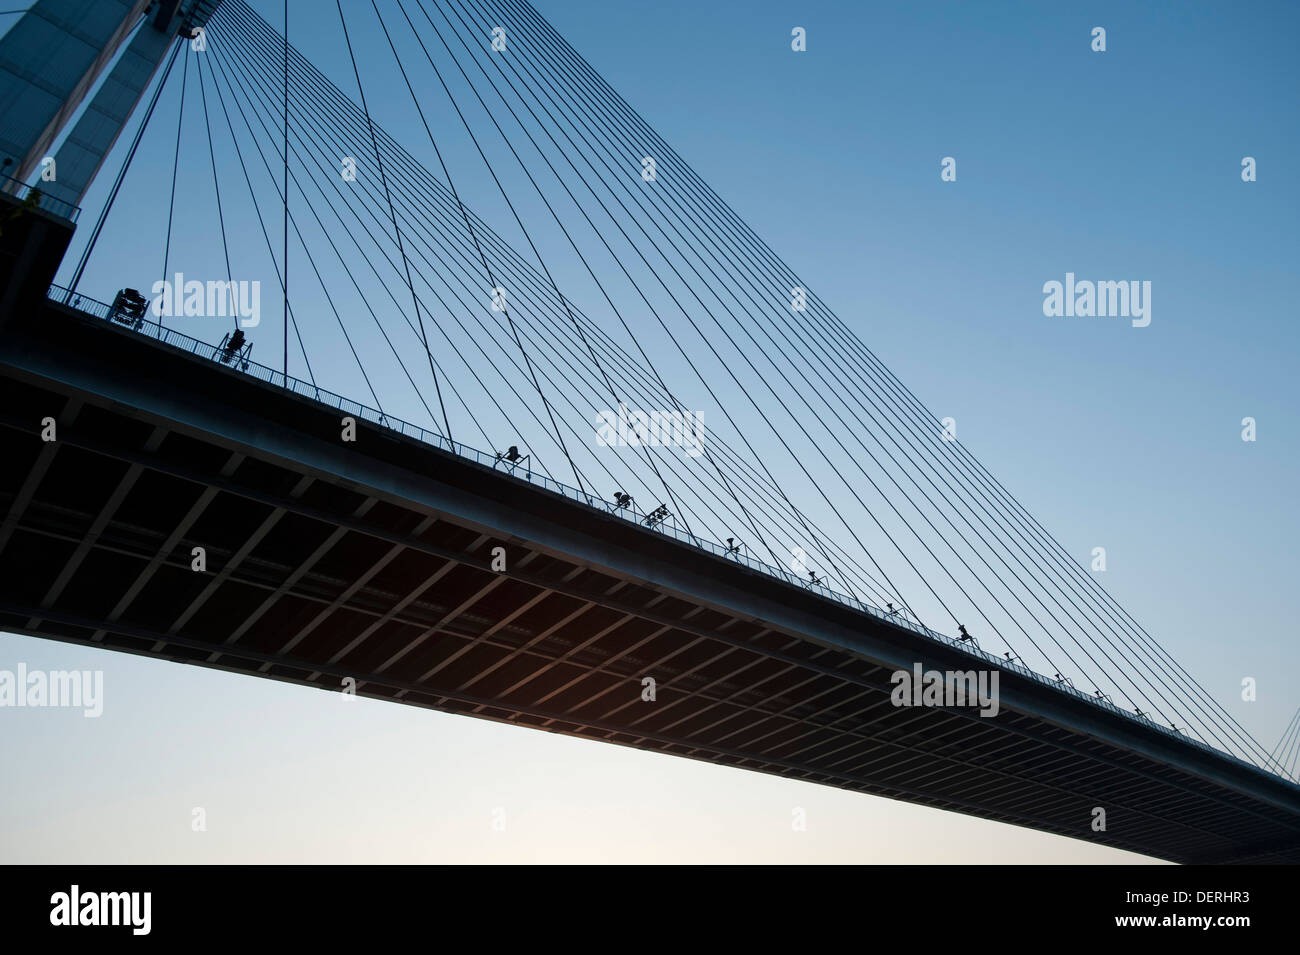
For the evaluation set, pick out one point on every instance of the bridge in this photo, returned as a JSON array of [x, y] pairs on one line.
[[168, 495]]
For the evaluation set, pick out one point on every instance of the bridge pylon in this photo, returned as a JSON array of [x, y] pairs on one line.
[[53, 57]]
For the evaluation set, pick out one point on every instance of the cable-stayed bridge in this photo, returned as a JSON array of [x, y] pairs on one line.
[[523, 518]]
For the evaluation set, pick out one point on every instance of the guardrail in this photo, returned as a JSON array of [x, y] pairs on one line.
[[632, 515], [25, 192]]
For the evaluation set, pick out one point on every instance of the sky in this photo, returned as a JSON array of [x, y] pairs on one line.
[[1122, 164]]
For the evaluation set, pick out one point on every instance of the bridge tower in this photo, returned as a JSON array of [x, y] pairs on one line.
[[50, 61]]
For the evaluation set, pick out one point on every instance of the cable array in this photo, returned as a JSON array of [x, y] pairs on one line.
[[817, 455]]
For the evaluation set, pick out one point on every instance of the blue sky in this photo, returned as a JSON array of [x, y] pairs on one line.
[[1116, 165]]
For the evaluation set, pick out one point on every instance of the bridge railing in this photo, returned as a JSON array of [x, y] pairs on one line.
[[632, 514], [24, 192]]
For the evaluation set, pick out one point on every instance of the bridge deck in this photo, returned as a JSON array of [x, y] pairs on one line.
[[372, 561]]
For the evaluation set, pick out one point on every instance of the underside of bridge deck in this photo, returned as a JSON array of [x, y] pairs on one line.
[[371, 563]]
